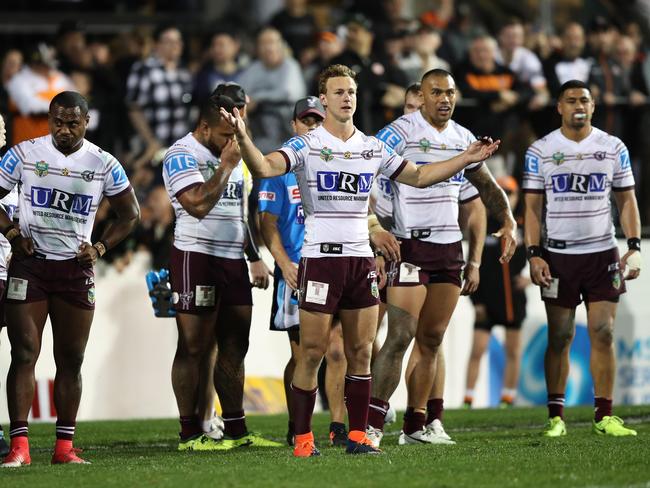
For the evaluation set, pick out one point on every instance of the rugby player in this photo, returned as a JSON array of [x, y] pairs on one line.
[[335, 165], [209, 278], [9, 203], [63, 178], [569, 176], [424, 287], [283, 227]]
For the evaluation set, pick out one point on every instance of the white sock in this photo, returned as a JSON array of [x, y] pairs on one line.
[[469, 393]]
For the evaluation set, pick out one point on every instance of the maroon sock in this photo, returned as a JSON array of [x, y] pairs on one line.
[[65, 429], [603, 408], [190, 427], [357, 399], [303, 402], [413, 421], [18, 428], [377, 413], [434, 409], [234, 424], [556, 405]]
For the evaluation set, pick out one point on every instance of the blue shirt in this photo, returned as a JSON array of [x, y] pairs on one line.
[[280, 196]]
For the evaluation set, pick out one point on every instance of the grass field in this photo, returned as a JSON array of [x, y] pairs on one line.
[[495, 448]]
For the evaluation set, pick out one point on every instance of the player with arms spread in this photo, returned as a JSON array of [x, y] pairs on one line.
[[335, 165], [64, 178], [570, 174]]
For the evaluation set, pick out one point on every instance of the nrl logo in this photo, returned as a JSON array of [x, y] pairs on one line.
[[425, 144], [326, 154], [558, 157], [91, 295], [211, 167], [41, 168], [616, 281], [88, 175], [326, 248]]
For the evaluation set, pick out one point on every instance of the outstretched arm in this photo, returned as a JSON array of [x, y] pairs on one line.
[[261, 166], [429, 174]]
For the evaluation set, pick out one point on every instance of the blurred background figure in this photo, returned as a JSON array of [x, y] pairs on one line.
[[499, 300], [423, 57], [297, 27]]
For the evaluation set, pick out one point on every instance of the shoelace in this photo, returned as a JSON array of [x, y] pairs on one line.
[[616, 420], [307, 445]]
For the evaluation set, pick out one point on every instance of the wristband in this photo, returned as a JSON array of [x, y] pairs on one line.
[[533, 252], [100, 247], [12, 234], [634, 244], [379, 254]]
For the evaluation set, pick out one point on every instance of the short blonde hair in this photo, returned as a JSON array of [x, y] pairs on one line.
[[334, 71]]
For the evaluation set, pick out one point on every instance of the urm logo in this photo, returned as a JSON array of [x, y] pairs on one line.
[[233, 190], [577, 183], [61, 200], [344, 182]]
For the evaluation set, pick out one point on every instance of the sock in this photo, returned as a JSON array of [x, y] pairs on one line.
[[469, 396], [206, 426], [413, 421], [357, 399], [556, 405], [377, 413], [18, 428], [190, 427], [603, 408], [435, 408], [234, 424], [65, 429], [303, 409], [508, 395], [334, 426], [291, 427]]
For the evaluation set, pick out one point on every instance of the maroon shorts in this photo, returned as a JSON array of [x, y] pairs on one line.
[[33, 279], [3, 284], [592, 277], [425, 263], [329, 284], [200, 281]]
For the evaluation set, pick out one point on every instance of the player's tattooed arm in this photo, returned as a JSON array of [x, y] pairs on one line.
[[496, 202]]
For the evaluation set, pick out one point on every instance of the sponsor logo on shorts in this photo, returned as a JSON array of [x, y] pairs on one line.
[[183, 298], [91, 295], [374, 288], [17, 289], [266, 196], [205, 296], [616, 280], [41, 169]]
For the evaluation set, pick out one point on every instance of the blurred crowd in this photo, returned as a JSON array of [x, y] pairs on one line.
[[144, 85]]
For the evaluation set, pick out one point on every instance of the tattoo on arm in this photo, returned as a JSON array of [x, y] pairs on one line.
[[493, 197]]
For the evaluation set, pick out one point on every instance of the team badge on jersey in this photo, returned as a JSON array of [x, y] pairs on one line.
[[211, 167], [347, 154], [41, 168], [326, 154], [88, 175], [558, 157], [65, 172], [425, 144], [599, 155], [367, 154]]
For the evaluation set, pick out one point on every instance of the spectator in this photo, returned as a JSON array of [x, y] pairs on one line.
[[380, 90], [30, 92], [569, 63], [221, 67], [156, 232], [274, 83], [298, 28], [328, 46], [159, 94], [12, 62], [423, 57]]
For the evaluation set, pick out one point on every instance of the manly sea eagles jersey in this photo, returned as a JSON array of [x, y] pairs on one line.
[[9, 204]]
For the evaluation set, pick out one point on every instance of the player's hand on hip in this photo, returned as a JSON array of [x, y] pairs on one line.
[[235, 121], [471, 278], [481, 149], [540, 273], [22, 246], [380, 265], [633, 262], [387, 244], [290, 274], [508, 235], [87, 255], [260, 274]]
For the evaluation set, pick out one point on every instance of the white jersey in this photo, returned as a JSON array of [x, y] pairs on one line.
[[577, 179], [9, 204], [60, 194], [335, 178], [222, 231], [428, 214]]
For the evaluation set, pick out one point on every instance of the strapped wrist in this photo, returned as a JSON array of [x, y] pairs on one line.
[[11, 234], [100, 247], [634, 244], [533, 252]]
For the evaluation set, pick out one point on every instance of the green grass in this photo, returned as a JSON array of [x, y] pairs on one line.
[[495, 448]]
